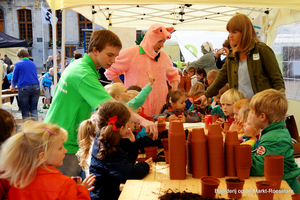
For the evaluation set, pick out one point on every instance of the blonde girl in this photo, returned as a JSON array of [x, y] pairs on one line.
[[109, 161], [29, 160], [86, 135]]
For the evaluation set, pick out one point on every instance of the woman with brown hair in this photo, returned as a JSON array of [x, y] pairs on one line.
[[251, 65]]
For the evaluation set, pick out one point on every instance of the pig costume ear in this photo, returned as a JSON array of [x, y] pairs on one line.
[[159, 29]]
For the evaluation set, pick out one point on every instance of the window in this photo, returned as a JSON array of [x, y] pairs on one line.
[[58, 26], [25, 24], [30, 52], [83, 23], [69, 51]]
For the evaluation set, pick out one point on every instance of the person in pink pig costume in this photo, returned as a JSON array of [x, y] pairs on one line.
[[145, 58]]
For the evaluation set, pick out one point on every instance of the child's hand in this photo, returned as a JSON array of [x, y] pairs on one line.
[[88, 182], [151, 79], [172, 117], [129, 135], [220, 121], [182, 118], [236, 126], [149, 161]]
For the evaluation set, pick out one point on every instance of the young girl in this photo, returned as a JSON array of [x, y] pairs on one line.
[[192, 74], [227, 100], [109, 161], [202, 76], [29, 159], [238, 111], [86, 136], [8, 126], [175, 108]]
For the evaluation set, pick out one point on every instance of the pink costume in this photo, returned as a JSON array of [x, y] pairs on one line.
[[137, 60]]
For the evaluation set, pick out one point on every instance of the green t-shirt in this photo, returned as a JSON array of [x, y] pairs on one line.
[[77, 93]]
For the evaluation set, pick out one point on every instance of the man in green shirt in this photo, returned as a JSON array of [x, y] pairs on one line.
[[79, 91]]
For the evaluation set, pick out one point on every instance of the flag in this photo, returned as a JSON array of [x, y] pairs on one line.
[[47, 16]]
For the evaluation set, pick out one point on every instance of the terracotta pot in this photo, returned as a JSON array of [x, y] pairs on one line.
[[151, 152], [266, 188], [187, 84], [273, 169], [166, 156], [296, 196], [177, 150], [161, 127], [231, 137], [215, 117], [208, 186], [215, 151], [165, 142], [199, 158], [226, 126], [231, 140], [242, 154], [196, 134], [235, 188]]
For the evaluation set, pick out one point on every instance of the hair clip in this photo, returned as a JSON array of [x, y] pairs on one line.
[[49, 130], [112, 121], [24, 134], [170, 100]]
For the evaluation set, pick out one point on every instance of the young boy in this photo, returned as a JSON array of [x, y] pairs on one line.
[[47, 81], [191, 73], [211, 76], [268, 110]]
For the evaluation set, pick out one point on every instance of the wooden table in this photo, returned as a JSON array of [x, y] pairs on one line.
[[158, 181]]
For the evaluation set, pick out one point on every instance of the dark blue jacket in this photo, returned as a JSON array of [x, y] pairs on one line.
[[111, 171], [25, 73]]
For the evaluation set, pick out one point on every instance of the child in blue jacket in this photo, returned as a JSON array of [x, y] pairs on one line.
[[47, 81], [268, 111]]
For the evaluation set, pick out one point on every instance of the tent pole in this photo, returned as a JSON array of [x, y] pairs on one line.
[[93, 18], [266, 29], [63, 41], [54, 42]]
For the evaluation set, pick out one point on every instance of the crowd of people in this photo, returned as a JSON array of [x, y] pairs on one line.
[[96, 132]]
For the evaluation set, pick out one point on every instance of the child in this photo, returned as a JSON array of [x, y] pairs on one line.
[[268, 112], [216, 105], [175, 108], [211, 76], [236, 108], [8, 126], [191, 73], [250, 132], [227, 100], [240, 111], [202, 76], [86, 136], [109, 161], [119, 92], [47, 81], [29, 159]]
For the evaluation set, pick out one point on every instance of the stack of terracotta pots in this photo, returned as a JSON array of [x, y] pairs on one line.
[[187, 84], [231, 140], [273, 169], [177, 150], [198, 149], [243, 161], [165, 143], [189, 153], [215, 151]]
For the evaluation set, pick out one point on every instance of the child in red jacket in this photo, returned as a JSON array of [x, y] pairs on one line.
[[7, 124], [29, 159]]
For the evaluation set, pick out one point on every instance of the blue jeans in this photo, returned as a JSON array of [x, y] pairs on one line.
[[29, 97]]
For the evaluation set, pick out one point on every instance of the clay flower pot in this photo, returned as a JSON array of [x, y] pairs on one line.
[[151, 152], [177, 150], [235, 188], [215, 148], [215, 117], [166, 156], [165, 143], [265, 190], [161, 127], [226, 126], [208, 186], [198, 149], [296, 196], [273, 169], [231, 140], [242, 158]]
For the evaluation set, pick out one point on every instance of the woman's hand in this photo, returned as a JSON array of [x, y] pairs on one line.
[[151, 128], [88, 182], [202, 100]]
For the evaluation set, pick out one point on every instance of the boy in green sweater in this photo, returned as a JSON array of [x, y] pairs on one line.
[[268, 110]]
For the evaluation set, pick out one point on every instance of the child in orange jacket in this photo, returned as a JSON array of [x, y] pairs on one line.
[[29, 159]]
